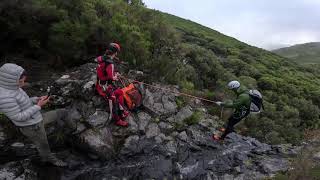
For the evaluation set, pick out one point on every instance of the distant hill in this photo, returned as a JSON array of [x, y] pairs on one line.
[[302, 53]]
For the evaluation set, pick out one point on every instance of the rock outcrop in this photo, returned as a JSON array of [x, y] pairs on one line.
[[152, 147]]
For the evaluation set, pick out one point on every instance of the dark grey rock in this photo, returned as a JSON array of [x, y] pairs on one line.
[[169, 106], [152, 130], [73, 114], [19, 170], [19, 149], [209, 123], [192, 170], [158, 139], [271, 166], [171, 147], [174, 134], [159, 102], [143, 121], [133, 126], [166, 127], [162, 138], [184, 113], [86, 109], [99, 102], [98, 119], [148, 100], [80, 128], [97, 141], [196, 134], [63, 80], [131, 146], [183, 136], [153, 171], [88, 86]]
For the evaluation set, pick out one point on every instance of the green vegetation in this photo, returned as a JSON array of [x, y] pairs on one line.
[[194, 118], [168, 49], [308, 53], [179, 126], [181, 101]]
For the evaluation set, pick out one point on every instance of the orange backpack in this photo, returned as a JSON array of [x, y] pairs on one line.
[[132, 96]]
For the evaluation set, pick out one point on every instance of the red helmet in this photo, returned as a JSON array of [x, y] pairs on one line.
[[113, 48]]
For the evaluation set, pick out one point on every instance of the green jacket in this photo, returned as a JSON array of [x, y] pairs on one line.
[[242, 101]]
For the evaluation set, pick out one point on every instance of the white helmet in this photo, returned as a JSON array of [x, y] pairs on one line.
[[233, 84]]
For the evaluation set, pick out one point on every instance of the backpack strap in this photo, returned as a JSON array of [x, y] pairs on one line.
[[106, 61]]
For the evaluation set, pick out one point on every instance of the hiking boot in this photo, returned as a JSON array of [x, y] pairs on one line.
[[216, 137], [56, 162], [122, 123]]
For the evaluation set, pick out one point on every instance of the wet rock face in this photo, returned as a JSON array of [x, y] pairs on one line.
[[153, 146]]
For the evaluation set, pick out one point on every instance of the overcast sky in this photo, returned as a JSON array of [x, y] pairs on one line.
[[268, 24]]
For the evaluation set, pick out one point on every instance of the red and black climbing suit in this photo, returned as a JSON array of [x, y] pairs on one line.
[[105, 86]]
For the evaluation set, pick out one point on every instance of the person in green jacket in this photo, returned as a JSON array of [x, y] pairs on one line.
[[241, 106]]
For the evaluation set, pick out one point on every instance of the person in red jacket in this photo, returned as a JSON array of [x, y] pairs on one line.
[[107, 74]]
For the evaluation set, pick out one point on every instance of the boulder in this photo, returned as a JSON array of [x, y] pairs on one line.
[[159, 102], [18, 170], [152, 130], [166, 127], [98, 119], [97, 141], [131, 146], [183, 136], [133, 126], [271, 166], [184, 113], [143, 121]]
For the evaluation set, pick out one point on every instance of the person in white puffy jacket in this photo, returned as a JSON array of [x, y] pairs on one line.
[[25, 112]]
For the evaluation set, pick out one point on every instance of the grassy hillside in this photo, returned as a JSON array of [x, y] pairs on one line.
[[169, 50], [287, 88], [308, 53]]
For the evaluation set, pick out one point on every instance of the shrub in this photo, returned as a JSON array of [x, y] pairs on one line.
[[194, 118]]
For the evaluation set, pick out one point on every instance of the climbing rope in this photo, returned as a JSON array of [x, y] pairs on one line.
[[169, 90]]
